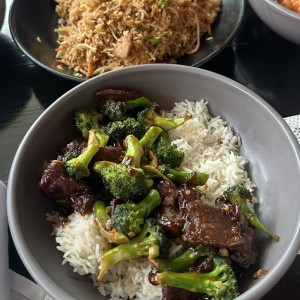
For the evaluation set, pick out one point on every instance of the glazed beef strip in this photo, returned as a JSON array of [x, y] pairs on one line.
[[58, 184], [184, 214], [117, 94], [168, 214], [170, 220], [186, 195], [173, 293], [246, 254], [114, 153], [168, 192], [212, 226]]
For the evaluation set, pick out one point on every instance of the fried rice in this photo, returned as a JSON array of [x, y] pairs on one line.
[[96, 36]]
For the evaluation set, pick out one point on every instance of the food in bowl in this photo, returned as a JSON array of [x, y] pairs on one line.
[[130, 190], [293, 5], [278, 18], [95, 37]]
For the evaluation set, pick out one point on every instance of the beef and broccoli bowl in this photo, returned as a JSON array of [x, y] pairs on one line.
[[150, 188]]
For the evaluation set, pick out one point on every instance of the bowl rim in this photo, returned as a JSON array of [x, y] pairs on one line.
[[288, 12], [261, 287]]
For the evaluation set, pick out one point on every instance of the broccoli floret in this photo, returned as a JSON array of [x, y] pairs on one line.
[[129, 218], [178, 177], [219, 283], [239, 195], [151, 242], [71, 150], [118, 110], [126, 180], [85, 120], [79, 166], [104, 225], [148, 117], [118, 130], [166, 152]]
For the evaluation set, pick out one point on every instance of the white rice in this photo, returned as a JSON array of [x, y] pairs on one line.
[[210, 146], [79, 240]]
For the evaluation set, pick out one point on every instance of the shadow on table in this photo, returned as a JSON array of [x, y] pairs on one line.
[[15, 87], [48, 87]]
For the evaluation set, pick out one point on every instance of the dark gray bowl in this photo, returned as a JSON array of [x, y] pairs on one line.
[[29, 19], [267, 142]]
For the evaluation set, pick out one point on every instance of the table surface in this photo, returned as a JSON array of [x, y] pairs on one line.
[[256, 58]]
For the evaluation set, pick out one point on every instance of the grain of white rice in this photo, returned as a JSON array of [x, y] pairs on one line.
[[210, 146]]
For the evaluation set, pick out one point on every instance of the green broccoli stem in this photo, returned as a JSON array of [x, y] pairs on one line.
[[150, 202], [141, 102], [88, 153], [183, 261], [100, 211], [152, 171], [112, 236], [134, 152], [85, 120], [239, 195], [176, 176], [129, 218], [253, 219], [190, 178], [102, 137], [137, 247], [150, 137], [79, 166], [191, 282], [149, 118], [164, 138], [220, 283], [132, 157]]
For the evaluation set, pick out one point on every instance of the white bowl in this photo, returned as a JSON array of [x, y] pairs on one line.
[[267, 142], [281, 20]]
